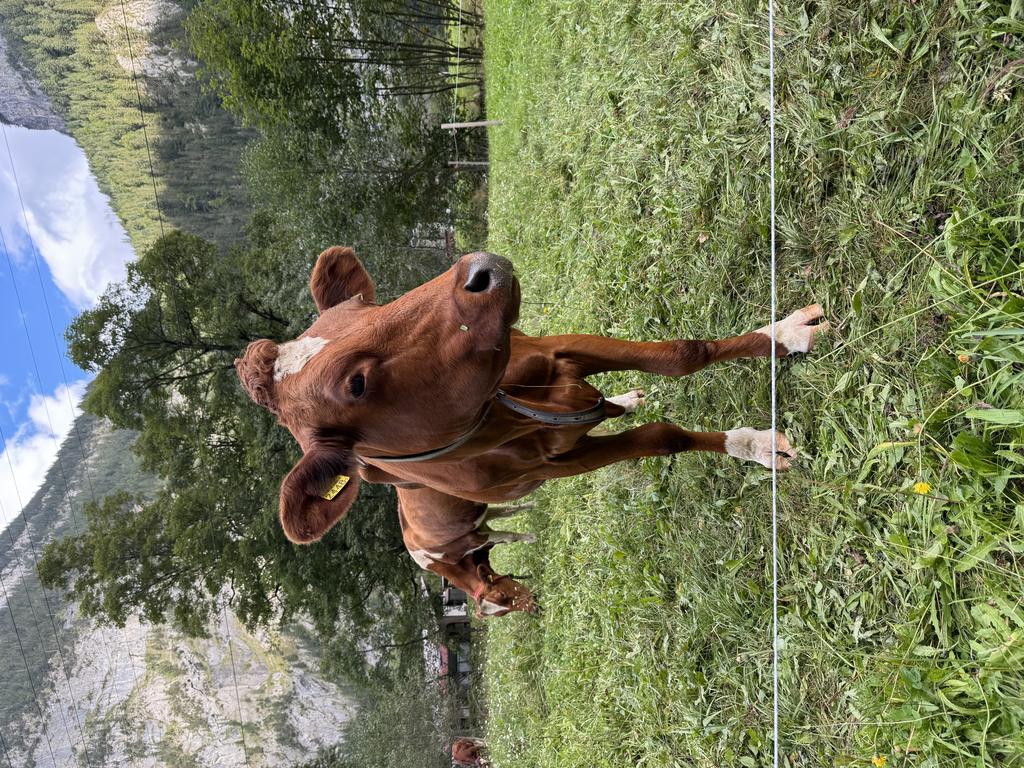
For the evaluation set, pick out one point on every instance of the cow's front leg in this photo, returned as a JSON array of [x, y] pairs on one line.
[[596, 354], [660, 439], [797, 331]]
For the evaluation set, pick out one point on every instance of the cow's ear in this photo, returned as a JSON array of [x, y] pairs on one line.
[[317, 493], [337, 277], [256, 371]]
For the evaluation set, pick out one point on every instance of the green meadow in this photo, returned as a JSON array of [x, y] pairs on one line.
[[629, 184]]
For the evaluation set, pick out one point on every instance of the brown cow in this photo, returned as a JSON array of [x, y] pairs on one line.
[[466, 753], [437, 394]]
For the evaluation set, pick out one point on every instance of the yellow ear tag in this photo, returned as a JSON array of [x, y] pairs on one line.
[[339, 482]]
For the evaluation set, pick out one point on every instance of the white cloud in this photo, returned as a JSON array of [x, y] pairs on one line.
[[69, 219], [31, 451]]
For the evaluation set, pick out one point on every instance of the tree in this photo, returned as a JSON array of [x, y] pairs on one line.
[[319, 65], [258, 59], [350, 95], [400, 724], [353, 194]]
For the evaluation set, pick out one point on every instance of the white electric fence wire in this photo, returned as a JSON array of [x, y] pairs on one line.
[[775, 471]]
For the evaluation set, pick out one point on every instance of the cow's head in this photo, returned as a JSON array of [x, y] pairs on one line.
[[498, 595], [378, 380]]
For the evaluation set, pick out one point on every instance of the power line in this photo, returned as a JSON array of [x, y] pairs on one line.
[[53, 433], [67, 389], [142, 117], [28, 594], [39, 383], [774, 397], [238, 700], [60, 360], [24, 657], [7, 754], [156, 199]]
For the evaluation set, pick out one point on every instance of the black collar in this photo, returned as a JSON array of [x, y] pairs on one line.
[[591, 415]]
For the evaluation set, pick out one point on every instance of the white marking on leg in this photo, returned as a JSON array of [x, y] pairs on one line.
[[425, 559], [756, 445], [794, 332], [630, 401], [292, 356]]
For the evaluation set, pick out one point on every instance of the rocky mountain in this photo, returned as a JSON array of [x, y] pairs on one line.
[[24, 102], [120, 80], [73, 693]]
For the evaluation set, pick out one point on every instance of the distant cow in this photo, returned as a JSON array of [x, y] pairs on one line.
[[437, 394], [467, 753]]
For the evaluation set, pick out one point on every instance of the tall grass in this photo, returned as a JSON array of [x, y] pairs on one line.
[[629, 184]]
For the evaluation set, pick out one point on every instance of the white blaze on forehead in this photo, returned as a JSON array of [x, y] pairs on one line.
[[293, 355]]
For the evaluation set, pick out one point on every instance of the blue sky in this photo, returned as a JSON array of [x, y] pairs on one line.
[[62, 250]]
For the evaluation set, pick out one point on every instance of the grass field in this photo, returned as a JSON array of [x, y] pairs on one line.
[[629, 183]]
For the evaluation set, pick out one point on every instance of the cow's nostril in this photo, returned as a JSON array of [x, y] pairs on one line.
[[479, 280]]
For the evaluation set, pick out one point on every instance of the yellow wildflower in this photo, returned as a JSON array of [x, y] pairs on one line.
[[922, 488], [878, 760], [963, 358], [547, 310]]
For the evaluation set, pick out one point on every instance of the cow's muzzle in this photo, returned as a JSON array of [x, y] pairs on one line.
[[486, 272]]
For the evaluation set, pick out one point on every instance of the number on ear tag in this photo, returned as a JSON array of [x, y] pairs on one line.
[[339, 482]]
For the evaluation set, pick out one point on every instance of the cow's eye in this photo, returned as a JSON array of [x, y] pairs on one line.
[[357, 385]]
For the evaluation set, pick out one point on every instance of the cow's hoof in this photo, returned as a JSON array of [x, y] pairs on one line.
[[798, 331], [629, 401], [756, 445]]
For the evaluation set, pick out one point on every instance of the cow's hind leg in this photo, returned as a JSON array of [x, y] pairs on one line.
[[596, 354]]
